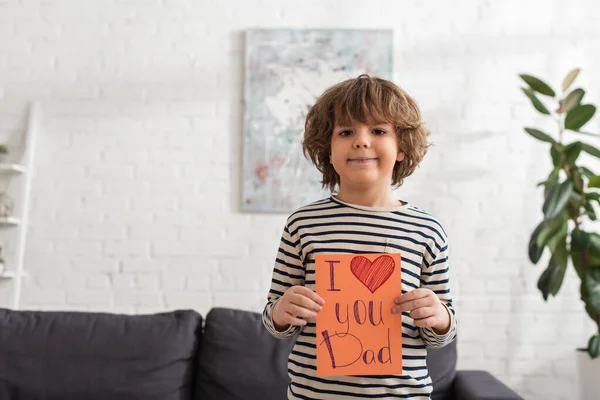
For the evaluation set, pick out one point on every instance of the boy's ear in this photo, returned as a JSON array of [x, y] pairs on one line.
[[400, 156]]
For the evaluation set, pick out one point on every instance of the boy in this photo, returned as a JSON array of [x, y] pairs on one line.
[[364, 135]]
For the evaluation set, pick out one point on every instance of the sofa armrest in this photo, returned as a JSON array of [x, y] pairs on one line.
[[481, 385]]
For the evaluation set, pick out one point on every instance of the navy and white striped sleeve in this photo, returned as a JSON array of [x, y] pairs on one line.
[[435, 276], [288, 272]]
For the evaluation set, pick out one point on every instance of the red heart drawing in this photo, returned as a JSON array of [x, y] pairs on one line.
[[372, 274]]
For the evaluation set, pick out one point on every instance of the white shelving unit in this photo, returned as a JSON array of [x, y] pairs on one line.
[[8, 275], [11, 221], [11, 169], [15, 270]]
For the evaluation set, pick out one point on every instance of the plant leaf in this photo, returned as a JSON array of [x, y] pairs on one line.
[[552, 229], [585, 258], [594, 182], [579, 116], [585, 297], [555, 154], [535, 251], [570, 78], [577, 182], [593, 287], [593, 314], [594, 346], [573, 99], [537, 104], [548, 278], [593, 196], [591, 150], [594, 250], [587, 172], [551, 180], [549, 196], [579, 240], [577, 259], [579, 244], [560, 256], [572, 152], [540, 135], [558, 239], [591, 213], [538, 85], [557, 200]]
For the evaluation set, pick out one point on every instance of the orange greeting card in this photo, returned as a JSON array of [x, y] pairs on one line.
[[357, 334]]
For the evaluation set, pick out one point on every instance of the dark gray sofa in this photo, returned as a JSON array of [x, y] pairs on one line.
[[171, 356]]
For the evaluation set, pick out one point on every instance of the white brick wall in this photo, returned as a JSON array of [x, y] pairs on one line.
[[136, 193]]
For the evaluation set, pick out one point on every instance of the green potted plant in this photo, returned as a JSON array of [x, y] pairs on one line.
[[570, 200], [3, 151]]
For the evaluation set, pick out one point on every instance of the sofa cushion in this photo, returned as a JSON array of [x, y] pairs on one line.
[[239, 359], [441, 363], [76, 355]]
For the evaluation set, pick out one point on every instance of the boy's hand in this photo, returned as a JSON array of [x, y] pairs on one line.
[[297, 301], [425, 308]]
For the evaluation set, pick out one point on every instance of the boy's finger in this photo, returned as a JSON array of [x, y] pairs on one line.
[[412, 295], [290, 319], [412, 304], [301, 312], [305, 302], [311, 295]]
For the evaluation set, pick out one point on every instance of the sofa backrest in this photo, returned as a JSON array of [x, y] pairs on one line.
[[77, 355], [441, 363], [239, 359]]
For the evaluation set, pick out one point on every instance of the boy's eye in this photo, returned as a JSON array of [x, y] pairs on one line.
[[377, 132]]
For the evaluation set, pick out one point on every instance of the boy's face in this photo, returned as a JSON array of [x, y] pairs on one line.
[[364, 155]]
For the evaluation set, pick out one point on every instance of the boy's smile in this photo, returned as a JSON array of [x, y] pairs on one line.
[[362, 160]]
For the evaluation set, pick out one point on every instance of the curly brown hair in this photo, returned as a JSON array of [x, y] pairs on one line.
[[360, 99]]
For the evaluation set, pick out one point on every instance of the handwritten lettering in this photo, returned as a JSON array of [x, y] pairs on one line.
[[346, 321], [332, 276], [359, 306], [384, 355]]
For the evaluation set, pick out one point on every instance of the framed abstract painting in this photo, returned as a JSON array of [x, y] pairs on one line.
[[285, 71]]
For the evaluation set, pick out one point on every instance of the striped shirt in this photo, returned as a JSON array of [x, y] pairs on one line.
[[331, 226]]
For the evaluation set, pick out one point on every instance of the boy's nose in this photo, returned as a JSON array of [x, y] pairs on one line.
[[361, 140]]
